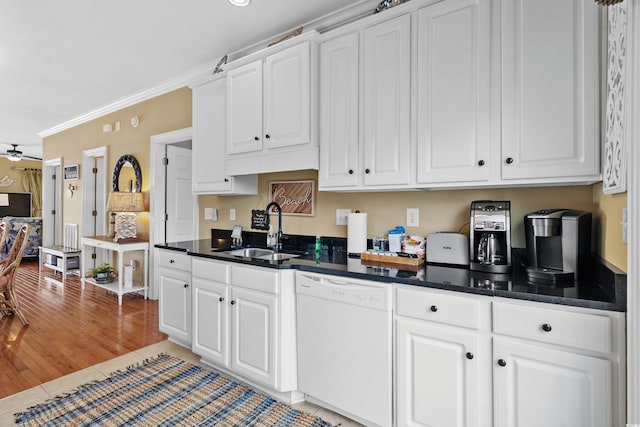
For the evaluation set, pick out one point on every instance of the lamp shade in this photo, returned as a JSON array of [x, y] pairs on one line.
[[125, 202]]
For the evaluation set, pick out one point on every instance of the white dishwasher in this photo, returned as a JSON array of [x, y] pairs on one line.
[[344, 330]]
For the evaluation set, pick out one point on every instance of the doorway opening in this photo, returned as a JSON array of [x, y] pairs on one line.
[[171, 219]]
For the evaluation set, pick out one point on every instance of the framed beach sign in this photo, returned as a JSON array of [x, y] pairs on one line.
[[294, 197]]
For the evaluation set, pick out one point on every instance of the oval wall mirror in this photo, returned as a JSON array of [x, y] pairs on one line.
[[129, 168]]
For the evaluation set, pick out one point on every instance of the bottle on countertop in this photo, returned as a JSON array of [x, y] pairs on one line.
[[272, 238], [318, 249]]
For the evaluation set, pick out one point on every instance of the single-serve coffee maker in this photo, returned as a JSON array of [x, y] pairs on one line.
[[558, 244], [490, 236]]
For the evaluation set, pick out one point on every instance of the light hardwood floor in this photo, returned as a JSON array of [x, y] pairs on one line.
[[69, 329]]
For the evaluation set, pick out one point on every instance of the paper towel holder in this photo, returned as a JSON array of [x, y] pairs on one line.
[[356, 234]]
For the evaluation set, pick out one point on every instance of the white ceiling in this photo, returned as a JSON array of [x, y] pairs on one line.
[[61, 60]]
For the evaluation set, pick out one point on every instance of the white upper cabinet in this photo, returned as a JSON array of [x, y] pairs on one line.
[[209, 174], [339, 112], [453, 91], [462, 93], [287, 92], [387, 102], [272, 109], [550, 90], [376, 154], [244, 108]]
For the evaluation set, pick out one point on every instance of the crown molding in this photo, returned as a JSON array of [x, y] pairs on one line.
[[333, 19]]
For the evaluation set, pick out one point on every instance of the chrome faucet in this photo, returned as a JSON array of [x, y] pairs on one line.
[[279, 235]]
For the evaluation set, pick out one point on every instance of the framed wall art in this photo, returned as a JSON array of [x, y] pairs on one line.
[[71, 173], [294, 197]]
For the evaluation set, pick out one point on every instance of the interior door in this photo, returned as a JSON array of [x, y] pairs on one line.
[[179, 199], [52, 203]]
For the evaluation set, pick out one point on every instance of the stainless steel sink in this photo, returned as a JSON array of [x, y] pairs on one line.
[[277, 256], [259, 253], [251, 252]]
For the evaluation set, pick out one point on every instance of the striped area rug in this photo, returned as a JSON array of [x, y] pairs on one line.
[[165, 391]]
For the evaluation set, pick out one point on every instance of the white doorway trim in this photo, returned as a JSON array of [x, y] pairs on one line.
[[94, 196], [633, 226], [52, 200], [157, 187]]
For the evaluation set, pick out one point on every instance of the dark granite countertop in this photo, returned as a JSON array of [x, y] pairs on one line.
[[603, 288]]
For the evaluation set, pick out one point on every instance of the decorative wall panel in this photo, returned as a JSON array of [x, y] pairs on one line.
[[615, 153]]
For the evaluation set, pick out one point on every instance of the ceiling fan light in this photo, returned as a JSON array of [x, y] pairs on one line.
[[14, 157], [240, 3]]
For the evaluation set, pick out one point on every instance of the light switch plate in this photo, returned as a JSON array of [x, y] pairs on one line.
[[413, 217], [214, 214], [341, 216], [208, 213], [232, 214]]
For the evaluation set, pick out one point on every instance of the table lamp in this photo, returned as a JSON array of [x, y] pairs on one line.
[[123, 207]]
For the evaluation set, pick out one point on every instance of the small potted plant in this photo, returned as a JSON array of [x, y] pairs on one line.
[[104, 273]]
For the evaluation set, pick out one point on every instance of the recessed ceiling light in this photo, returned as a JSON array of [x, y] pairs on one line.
[[240, 3]]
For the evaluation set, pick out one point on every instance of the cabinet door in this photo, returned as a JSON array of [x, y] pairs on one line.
[[339, 112], [209, 137], [287, 97], [537, 386], [175, 304], [550, 89], [437, 375], [386, 102], [454, 91], [244, 109], [253, 319], [210, 320]]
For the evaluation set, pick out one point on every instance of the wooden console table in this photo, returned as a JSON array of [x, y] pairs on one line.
[[122, 246]]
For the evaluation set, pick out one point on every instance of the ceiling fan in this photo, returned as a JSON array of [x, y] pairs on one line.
[[16, 155]]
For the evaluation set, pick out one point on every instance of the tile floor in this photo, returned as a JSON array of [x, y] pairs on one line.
[[20, 401]]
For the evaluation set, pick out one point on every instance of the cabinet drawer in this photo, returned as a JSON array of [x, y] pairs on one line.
[[258, 279], [438, 307], [210, 270], [555, 326], [175, 260]]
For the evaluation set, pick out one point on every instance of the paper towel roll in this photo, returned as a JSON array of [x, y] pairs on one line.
[[356, 233]]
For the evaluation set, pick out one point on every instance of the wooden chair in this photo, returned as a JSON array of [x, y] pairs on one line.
[[4, 233], [9, 303]]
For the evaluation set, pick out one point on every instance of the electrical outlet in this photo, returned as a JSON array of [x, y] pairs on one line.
[[341, 216], [232, 214], [413, 217]]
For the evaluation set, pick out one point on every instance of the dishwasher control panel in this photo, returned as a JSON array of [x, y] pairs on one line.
[[345, 290]]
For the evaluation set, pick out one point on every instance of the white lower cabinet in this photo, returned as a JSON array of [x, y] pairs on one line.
[[211, 320], [442, 358], [253, 335], [244, 322], [437, 373], [174, 279], [537, 386], [471, 360], [557, 365]]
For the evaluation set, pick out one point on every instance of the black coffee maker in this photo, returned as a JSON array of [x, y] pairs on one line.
[[490, 236], [558, 245]]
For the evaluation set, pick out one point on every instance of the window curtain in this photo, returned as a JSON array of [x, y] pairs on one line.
[[32, 183]]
